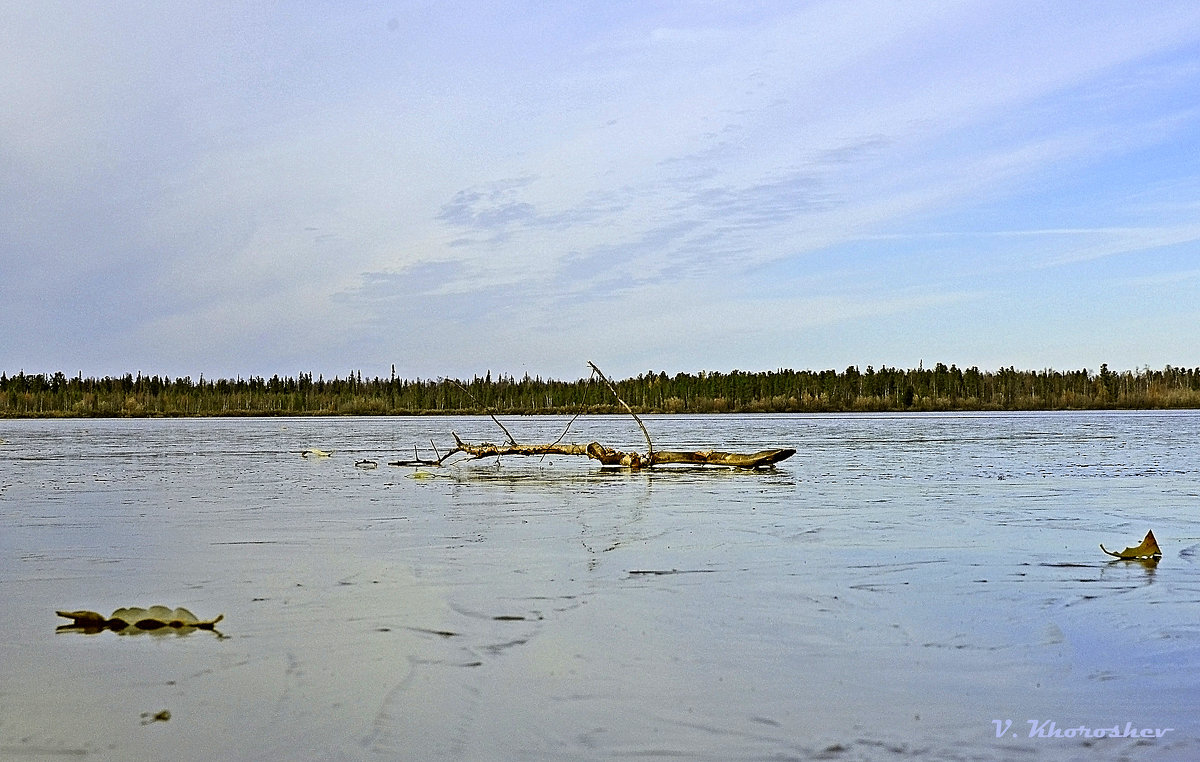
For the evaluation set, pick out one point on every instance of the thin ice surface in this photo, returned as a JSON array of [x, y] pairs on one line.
[[887, 593]]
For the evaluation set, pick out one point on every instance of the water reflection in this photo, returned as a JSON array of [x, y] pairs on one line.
[[157, 632], [1147, 563]]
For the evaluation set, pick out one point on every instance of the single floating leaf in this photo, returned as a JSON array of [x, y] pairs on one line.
[[153, 618], [1148, 549], [149, 717]]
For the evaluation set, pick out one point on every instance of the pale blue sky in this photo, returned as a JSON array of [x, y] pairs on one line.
[[259, 188]]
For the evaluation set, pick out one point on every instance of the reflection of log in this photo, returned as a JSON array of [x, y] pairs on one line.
[[597, 451]]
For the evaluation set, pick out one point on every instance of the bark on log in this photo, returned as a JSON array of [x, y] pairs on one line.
[[713, 458]]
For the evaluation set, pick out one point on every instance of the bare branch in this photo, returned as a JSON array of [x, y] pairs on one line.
[[568, 428], [604, 378], [486, 408]]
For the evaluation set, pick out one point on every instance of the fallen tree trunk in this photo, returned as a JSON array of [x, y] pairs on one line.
[[759, 459], [605, 455], [608, 456]]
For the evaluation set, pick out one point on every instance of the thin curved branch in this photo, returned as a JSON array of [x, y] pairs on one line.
[[568, 428], [613, 389], [485, 407]]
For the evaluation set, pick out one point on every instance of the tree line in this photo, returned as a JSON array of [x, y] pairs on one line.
[[940, 388]]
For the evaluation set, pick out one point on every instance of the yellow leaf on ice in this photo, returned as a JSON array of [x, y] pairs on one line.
[[153, 618], [1148, 549]]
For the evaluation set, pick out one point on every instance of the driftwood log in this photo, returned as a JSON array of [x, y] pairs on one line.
[[596, 451], [608, 456]]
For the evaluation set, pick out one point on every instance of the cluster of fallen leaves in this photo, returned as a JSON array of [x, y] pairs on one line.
[[153, 618], [1148, 549]]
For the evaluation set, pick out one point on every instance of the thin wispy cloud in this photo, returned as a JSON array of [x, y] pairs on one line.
[[240, 190]]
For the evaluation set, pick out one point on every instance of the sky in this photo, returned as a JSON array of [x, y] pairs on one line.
[[456, 188]]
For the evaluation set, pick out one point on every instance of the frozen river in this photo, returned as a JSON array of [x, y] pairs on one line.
[[901, 588]]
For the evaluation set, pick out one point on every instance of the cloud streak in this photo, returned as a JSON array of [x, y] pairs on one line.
[[247, 191]]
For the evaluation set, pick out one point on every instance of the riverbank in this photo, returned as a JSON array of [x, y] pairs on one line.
[[889, 390]]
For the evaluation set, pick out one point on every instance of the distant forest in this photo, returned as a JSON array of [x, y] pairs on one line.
[[939, 388]]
